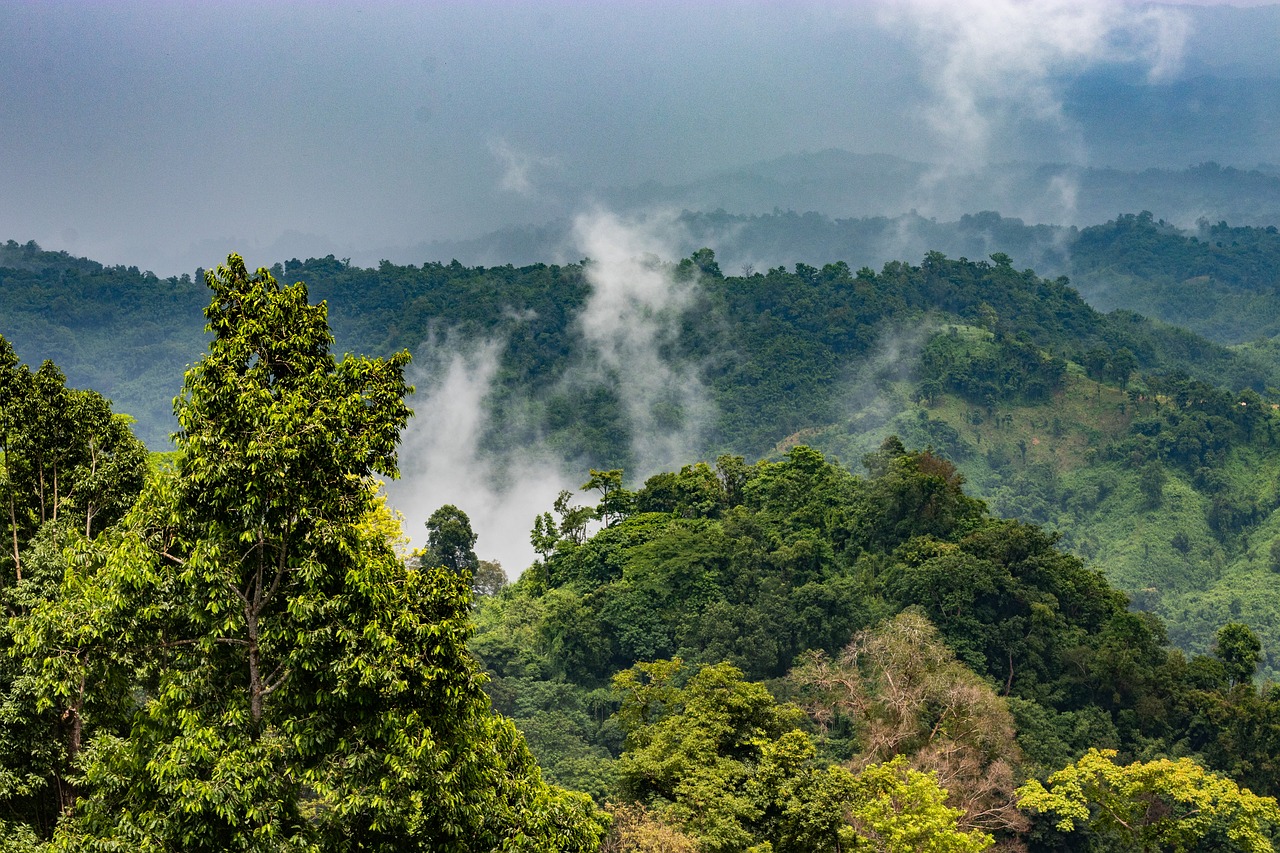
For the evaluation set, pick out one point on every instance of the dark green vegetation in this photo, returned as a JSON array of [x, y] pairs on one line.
[[905, 626], [1125, 435], [230, 650], [125, 333], [228, 653], [130, 335]]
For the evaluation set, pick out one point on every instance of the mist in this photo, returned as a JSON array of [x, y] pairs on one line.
[[441, 461], [629, 322], [627, 327]]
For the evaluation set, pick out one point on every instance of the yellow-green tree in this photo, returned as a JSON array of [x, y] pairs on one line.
[[721, 760], [1162, 805]]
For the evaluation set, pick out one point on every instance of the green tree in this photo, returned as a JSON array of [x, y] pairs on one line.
[[720, 760], [1151, 482], [896, 809], [1240, 650], [300, 686], [69, 469], [450, 540], [1156, 805], [616, 503]]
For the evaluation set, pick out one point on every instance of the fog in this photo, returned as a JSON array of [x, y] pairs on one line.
[[165, 135], [441, 461], [634, 309]]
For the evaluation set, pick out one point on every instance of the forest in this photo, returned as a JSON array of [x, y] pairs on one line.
[[1148, 448], [1012, 594]]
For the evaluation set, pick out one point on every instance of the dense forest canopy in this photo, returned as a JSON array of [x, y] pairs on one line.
[[230, 647], [1056, 413], [74, 311], [895, 622]]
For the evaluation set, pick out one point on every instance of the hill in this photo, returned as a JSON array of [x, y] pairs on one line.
[[1126, 435], [901, 616]]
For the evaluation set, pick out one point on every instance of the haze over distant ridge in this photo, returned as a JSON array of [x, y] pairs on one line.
[[164, 135]]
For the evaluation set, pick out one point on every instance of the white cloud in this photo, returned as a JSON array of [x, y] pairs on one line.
[[635, 308], [441, 461], [994, 63]]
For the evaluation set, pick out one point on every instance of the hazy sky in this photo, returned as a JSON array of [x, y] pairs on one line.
[[158, 133]]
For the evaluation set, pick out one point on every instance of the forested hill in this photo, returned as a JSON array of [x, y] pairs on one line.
[[1215, 279], [772, 346], [130, 334], [1151, 450], [898, 614], [231, 648], [125, 333]]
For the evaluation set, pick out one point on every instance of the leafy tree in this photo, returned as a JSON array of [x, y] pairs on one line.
[[1239, 649], [897, 810], [1151, 482], [719, 759], [616, 503], [905, 694], [1156, 805], [300, 687], [489, 578], [69, 469], [450, 541]]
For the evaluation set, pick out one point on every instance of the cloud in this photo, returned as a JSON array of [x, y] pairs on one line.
[[630, 324], [442, 462], [518, 167], [993, 64], [629, 320]]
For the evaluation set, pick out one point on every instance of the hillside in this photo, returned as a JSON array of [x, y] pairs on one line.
[[233, 648], [1123, 434], [892, 608]]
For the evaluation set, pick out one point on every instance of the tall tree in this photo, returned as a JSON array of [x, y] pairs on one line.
[[69, 469], [301, 687], [450, 540]]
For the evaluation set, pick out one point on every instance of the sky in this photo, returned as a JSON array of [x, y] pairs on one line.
[[164, 135]]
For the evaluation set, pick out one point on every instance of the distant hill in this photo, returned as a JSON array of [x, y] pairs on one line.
[[1155, 451], [846, 186]]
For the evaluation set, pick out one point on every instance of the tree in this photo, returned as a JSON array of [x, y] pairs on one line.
[[1240, 650], [616, 503], [1157, 805], [489, 578], [907, 696], [62, 450], [450, 541], [300, 686], [720, 760], [1151, 480], [896, 809], [69, 469]]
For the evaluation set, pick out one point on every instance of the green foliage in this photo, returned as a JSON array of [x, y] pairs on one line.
[[1155, 805], [298, 686], [720, 759], [1003, 632], [124, 333], [450, 541], [1217, 281], [1110, 428], [69, 469], [899, 809], [1239, 650]]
